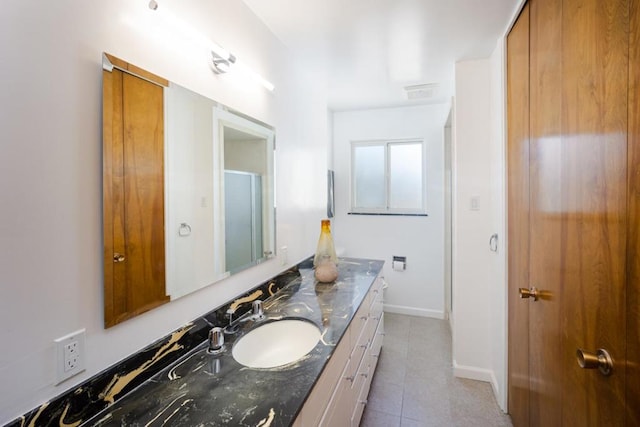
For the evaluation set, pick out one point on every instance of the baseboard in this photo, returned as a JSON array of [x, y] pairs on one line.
[[486, 375], [496, 392], [412, 311], [473, 373], [494, 385]]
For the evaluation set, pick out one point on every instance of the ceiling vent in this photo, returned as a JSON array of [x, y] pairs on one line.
[[423, 91]]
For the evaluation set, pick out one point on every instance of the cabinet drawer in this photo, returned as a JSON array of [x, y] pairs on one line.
[[362, 392], [358, 323], [376, 289], [317, 401], [338, 411], [377, 307], [376, 344], [357, 355]]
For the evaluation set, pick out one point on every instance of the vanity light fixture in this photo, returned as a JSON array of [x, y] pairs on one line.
[[222, 64], [221, 59]]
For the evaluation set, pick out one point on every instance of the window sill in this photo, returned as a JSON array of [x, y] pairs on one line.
[[386, 214]]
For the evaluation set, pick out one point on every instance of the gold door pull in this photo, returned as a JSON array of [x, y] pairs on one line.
[[529, 293], [600, 360], [118, 257]]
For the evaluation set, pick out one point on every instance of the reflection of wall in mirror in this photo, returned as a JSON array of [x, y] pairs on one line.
[[246, 155], [189, 140]]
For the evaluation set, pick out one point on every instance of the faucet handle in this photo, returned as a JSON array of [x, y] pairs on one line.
[[258, 311], [216, 340]]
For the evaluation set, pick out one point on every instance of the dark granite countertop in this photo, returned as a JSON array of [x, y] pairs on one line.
[[201, 389]]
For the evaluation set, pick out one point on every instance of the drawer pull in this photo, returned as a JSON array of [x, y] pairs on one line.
[[364, 346], [364, 317], [351, 378], [375, 355], [365, 375], [363, 402]]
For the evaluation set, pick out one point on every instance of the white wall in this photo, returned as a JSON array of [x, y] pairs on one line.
[[479, 289], [472, 228], [419, 290], [51, 170], [189, 192], [497, 267]]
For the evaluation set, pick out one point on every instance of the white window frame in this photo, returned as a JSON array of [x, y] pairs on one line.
[[387, 210]]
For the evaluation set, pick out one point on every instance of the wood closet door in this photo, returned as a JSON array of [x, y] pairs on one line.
[[546, 212], [633, 278], [595, 47], [518, 214], [575, 173]]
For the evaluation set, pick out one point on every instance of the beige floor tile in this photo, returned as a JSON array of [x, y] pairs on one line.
[[372, 418], [414, 383], [385, 396]]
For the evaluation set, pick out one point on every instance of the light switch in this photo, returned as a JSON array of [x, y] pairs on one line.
[[475, 203]]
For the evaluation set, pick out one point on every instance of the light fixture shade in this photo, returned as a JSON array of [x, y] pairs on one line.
[[222, 65]]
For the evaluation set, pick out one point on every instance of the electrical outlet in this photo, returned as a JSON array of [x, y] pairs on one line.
[[69, 355], [284, 258]]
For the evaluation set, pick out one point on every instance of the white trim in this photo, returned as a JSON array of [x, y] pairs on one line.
[[473, 373], [414, 311], [503, 397], [502, 403]]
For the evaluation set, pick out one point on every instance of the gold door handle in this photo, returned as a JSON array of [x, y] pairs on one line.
[[600, 360], [529, 293], [118, 257]]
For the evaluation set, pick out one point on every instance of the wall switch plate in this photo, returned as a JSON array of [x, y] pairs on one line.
[[69, 355], [474, 205]]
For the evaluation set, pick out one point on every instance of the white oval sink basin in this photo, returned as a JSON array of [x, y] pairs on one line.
[[276, 343]]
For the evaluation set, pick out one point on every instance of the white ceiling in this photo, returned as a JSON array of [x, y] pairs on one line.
[[371, 49]]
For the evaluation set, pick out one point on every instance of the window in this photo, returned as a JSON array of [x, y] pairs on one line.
[[388, 177]]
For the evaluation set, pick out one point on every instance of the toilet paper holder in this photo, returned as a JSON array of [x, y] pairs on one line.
[[399, 263]]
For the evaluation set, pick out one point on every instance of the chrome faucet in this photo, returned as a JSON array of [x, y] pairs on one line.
[[258, 311], [216, 340], [257, 314], [231, 328]]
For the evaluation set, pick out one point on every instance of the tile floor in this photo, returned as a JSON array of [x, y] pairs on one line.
[[414, 384]]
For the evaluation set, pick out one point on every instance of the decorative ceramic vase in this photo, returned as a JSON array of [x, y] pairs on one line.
[[325, 260], [326, 270]]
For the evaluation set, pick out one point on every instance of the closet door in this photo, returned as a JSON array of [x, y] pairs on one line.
[[593, 184], [546, 212], [581, 216], [633, 278], [518, 214]]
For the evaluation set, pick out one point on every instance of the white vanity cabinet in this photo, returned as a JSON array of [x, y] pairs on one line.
[[340, 394]]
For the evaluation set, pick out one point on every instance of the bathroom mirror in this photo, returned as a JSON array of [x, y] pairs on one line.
[[188, 189]]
